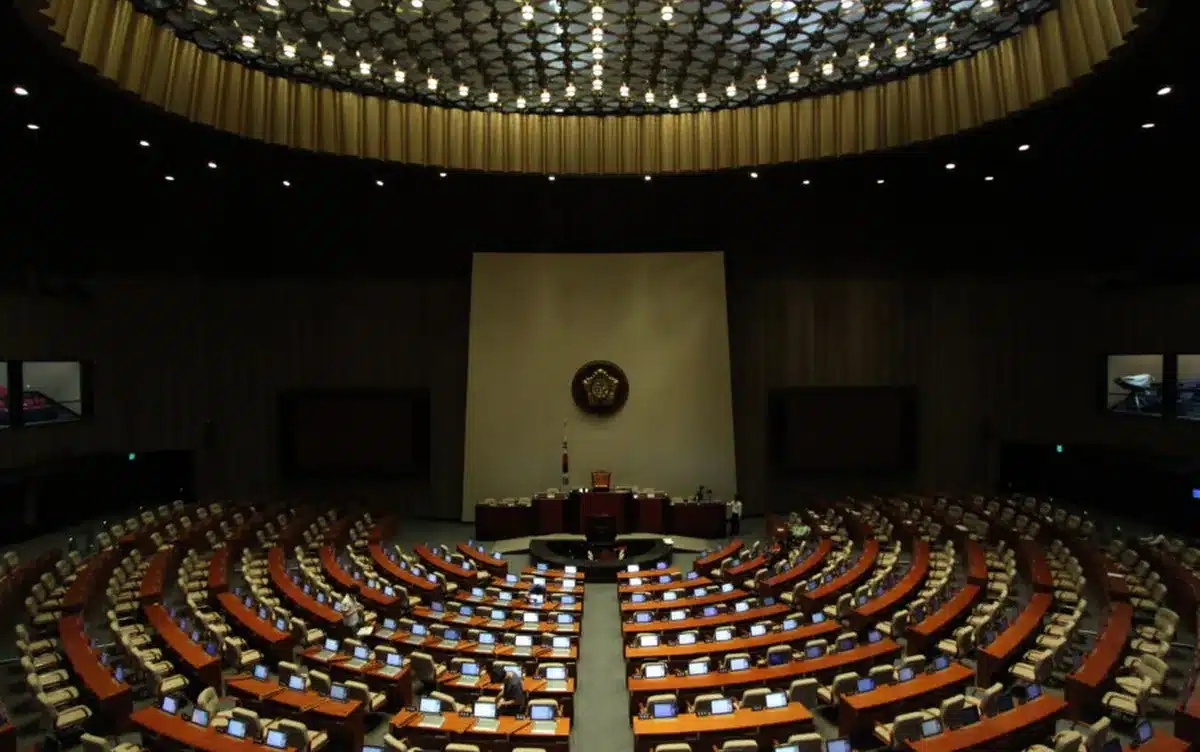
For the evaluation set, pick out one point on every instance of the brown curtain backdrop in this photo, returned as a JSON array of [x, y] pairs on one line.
[[153, 63]]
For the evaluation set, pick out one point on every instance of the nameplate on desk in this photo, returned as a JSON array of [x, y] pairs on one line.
[[643, 716]]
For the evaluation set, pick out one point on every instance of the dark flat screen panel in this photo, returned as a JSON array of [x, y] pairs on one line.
[[348, 434], [842, 431]]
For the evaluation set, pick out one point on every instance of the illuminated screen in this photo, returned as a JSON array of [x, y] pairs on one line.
[[838, 431], [382, 433], [1135, 384], [1187, 398]]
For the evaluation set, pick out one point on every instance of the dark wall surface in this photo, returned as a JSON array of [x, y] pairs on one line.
[[189, 363]]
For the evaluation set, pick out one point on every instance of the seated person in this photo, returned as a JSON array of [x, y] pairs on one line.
[[511, 700]]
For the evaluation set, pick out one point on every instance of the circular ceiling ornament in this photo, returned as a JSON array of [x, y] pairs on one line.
[[595, 56], [600, 388]]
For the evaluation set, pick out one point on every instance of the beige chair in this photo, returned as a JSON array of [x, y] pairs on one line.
[[93, 743], [807, 742], [905, 727], [844, 682], [372, 701], [298, 735]]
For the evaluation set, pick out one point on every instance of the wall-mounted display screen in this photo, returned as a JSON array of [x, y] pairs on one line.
[[1135, 384], [53, 391], [1187, 394]]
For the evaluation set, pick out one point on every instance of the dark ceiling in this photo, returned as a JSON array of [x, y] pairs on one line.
[[1094, 190]]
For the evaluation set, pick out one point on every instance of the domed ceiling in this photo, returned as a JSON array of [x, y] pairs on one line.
[[595, 56]]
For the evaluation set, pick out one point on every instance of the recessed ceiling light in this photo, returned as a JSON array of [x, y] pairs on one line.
[[950, 165], [647, 178], [143, 143], [287, 184], [212, 165], [379, 183], [558, 109], [989, 179], [1147, 126], [441, 174], [21, 91], [551, 178], [808, 182], [33, 126], [879, 181], [1161, 92], [754, 175], [169, 178], [1023, 147]]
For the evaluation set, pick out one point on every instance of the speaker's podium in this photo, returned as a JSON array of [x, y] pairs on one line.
[[602, 510]]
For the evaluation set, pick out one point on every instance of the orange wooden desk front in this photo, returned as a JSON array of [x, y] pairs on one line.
[[155, 722], [200, 664], [326, 617], [1085, 687], [485, 560], [1026, 724], [114, 699], [716, 557], [417, 585], [858, 713], [893, 598], [789, 578], [815, 598], [459, 729], [1008, 646], [263, 633], [343, 721], [708, 600], [707, 622], [742, 723], [925, 633], [678, 654]]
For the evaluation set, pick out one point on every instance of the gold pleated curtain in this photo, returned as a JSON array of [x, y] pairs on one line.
[[178, 76]]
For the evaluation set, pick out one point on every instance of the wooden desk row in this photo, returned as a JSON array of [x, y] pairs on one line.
[[418, 586], [925, 634], [323, 615], [714, 559], [766, 726], [814, 599], [192, 657], [787, 579], [707, 622], [156, 723], [518, 733], [342, 720], [1009, 644], [754, 645], [113, 699], [1029, 723], [858, 713], [1086, 685], [894, 598]]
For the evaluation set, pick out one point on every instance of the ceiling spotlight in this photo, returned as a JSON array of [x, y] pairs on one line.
[[647, 178], [950, 165], [731, 90], [702, 96], [272, 3], [201, 3], [558, 30], [327, 59], [941, 42], [1023, 147], [344, 3], [864, 60], [289, 50], [987, 4], [417, 4], [143, 143], [673, 102], [364, 68], [827, 68], [432, 83], [33, 126], [527, 12], [379, 183], [754, 176], [287, 184], [212, 165], [597, 53], [169, 178], [597, 70], [597, 34], [901, 52], [649, 97], [667, 12], [551, 178], [520, 103], [1147, 126], [1161, 92], [441, 174], [776, 4], [20, 91], [570, 91], [558, 110], [462, 90], [793, 76], [847, 4], [879, 181], [761, 83], [624, 91], [597, 84], [400, 76], [597, 13], [988, 179], [493, 97], [545, 97], [808, 182]]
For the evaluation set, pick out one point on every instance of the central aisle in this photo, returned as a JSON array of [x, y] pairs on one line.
[[602, 720]]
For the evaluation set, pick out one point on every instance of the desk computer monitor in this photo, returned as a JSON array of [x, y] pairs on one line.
[[738, 664], [778, 658], [392, 659], [723, 706], [561, 642], [967, 715], [740, 607], [469, 669], [1032, 692], [654, 671], [418, 629], [339, 692], [236, 728], [874, 636], [1142, 733], [723, 634], [818, 617], [486, 638], [698, 668], [679, 614], [692, 575], [727, 587], [838, 745], [758, 630], [932, 727], [297, 682], [170, 705], [638, 598], [776, 700], [642, 617], [199, 717], [566, 619], [670, 595], [663, 710], [664, 579], [541, 566], [687, 638], [789, 625], [541, 713], [699, 592], [261, 671], [648, 641], [276, 739], [631, 567], [941, 662], [484, 709], [521, 640], [430, 705], [554, 673], [814, 651], [905, 673], [710, 611], [865, 684]]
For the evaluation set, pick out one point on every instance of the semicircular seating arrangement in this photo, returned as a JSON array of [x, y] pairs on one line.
[[910, 623]]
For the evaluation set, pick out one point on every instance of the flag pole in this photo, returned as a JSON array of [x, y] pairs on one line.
[[566, 472]]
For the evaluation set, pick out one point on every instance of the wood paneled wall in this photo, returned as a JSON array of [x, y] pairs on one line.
[[994, 359], [171, 354]]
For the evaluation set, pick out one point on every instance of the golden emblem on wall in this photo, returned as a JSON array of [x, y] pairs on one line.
[[600, 388]]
